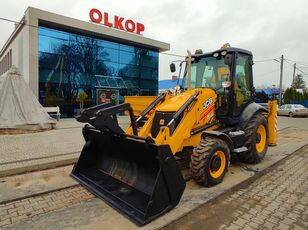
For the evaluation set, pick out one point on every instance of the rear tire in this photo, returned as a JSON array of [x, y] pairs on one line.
[[256, 140], [209, 161], [291, 114]]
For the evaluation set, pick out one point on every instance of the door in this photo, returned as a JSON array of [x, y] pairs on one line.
[[242, 83], [288, 110], [282, 110]]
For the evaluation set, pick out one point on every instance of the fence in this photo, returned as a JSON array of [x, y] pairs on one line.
[[302, 102]]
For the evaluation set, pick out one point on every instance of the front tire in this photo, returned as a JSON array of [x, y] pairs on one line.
[[291, 114], [256, 136], [209, 161]]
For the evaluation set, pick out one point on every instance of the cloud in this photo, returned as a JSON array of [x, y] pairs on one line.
[[267, 28]]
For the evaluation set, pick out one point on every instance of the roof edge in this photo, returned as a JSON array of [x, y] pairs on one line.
[[97, 29]]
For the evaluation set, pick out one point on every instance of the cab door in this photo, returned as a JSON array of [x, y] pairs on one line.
[[242, 83]]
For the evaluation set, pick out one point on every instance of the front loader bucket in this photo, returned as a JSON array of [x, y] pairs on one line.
[[141, 180]]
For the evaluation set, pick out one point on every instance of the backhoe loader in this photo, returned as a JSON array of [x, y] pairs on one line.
[[210, 118]]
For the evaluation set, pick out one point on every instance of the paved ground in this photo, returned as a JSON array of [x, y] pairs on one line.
[[29, 184], [296, 122], [75, 208], [67, 140], [27, 152], [277, 200], [18, 152]]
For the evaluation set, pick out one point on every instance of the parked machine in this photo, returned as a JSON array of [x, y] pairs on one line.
[[210, 117]]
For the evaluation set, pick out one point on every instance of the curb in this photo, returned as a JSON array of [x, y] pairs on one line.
[[38, 166]]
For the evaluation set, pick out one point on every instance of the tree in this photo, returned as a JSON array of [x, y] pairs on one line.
[[291, 94], [82, 96], [298, 82]]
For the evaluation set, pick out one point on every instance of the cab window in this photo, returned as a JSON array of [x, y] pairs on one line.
[[242, 82]]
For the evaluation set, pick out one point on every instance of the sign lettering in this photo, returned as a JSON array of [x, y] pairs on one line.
[[120, 23]]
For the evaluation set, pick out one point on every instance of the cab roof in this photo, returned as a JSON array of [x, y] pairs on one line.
[[229, 50]]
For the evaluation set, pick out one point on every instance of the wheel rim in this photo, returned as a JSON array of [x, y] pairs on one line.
[[260, 138], [218, 164]]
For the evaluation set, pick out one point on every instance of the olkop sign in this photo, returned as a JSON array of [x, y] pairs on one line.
[[120, 23]]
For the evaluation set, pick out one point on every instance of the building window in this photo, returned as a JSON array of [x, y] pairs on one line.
[[6, 62], [70, 63]]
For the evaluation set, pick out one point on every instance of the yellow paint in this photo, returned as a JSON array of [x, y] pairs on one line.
[[272, 116], [181, 137], [217, 173], [261, 132], [175, 103], [139, 103]]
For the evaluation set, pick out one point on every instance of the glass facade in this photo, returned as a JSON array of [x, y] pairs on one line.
[[71, 63]]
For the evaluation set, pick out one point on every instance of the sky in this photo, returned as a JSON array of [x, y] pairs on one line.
[[268, 28]]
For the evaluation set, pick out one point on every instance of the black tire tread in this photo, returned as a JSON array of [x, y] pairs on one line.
[[201, 157], [251, 156]]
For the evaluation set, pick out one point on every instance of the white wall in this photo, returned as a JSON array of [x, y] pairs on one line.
[[20, 48]]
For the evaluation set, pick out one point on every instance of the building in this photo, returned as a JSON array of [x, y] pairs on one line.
[[60, 57], [168, 84]]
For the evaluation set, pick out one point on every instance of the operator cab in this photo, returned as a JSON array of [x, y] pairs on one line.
[[228, 71]]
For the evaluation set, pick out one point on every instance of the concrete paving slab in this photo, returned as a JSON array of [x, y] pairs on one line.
[[24, 147], [278, 196], [38, 164], [95, 213], [50, 149], [30, 184]]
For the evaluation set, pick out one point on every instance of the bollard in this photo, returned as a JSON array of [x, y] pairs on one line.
[[272, 122]]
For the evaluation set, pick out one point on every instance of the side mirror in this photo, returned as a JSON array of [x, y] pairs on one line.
[[228, 59], [172, 68], [253, 89]]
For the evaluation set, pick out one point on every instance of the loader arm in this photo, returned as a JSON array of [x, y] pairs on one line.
[[179, 120], [175, 136]]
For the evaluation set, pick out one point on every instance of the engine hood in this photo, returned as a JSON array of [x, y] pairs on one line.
[[175, 103]]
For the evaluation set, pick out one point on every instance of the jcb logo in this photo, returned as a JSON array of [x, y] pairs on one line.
[[207, 103]]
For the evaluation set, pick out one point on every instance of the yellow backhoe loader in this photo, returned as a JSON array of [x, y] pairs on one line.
[[212, 116]]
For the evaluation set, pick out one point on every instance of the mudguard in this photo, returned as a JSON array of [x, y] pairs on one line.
[[248, 112]]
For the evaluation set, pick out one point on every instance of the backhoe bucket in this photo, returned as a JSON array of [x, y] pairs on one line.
[[141, 180]]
